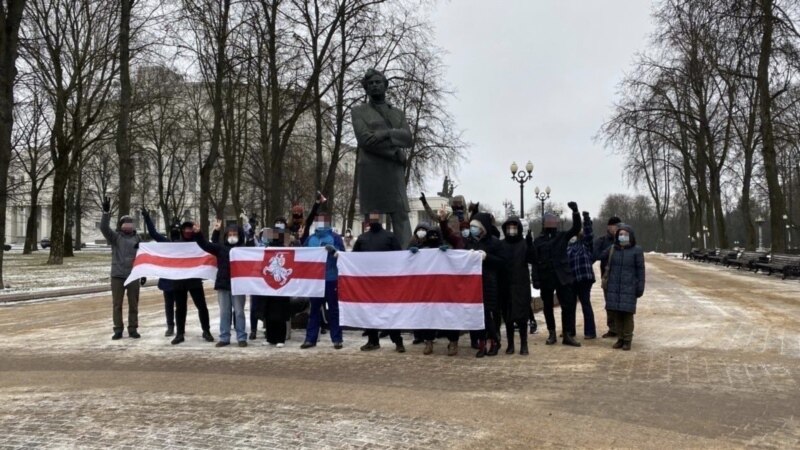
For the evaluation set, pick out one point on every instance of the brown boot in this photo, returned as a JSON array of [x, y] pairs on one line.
[[618, 344], [428, 348], [452, 349]]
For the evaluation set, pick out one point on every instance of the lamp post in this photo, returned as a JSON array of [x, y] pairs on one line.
[[521, 177], [705, 235], [542, 197], [788, 232], [759, 222]]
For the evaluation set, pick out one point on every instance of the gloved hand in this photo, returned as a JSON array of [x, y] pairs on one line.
[[142, 281], [145, 212], [330, 249], [106, 205], [422, 197], [573, 206], [536, 285], [444, 248], [413, 249], [586, 215]]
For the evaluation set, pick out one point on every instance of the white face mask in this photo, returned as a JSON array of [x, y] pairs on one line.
[[573, 240], [280, 226], [233, 240], [421, 234], [465, 233], [512, 231], [624, 240]]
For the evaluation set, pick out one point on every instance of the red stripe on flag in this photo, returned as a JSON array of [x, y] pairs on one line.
[[411, 289], [177, 262], [300, 269]]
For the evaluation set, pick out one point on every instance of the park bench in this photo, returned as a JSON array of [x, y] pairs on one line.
[[746, 260], [690, 253], [706, 257], [698, 254], [720, 255], [787, 265]]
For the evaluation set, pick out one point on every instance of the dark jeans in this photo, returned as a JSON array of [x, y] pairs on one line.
[[394, 335], [169, 308], [567, 301], [118, 291], [624, 324], [331, 299], [181, 297], [429, 335], [277, 313], [583, 294]]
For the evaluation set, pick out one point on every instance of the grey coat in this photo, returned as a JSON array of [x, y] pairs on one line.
[[382, 163], [123, 248], [625, 276]]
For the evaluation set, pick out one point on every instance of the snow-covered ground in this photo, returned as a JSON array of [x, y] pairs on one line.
[[26, 273]]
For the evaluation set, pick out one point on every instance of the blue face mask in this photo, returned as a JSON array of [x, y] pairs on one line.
[[624, 239], [475, 231]]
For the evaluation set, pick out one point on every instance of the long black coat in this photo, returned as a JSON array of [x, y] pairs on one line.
[[625, 276], [381, 165], [515, 286], [223, 254], [493, 265], [550, 261]]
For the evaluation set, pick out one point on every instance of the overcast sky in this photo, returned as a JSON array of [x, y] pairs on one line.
[[535, 80]]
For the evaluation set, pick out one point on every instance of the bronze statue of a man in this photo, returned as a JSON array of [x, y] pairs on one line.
[[383, 139]]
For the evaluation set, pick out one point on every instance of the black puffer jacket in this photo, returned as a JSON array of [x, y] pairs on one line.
[[493, 265], [626, 274], [550, 261], [377, 241], [222, 252], [515, 287]]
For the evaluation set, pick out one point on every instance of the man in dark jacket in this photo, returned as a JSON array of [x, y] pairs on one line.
[[494, 262], [378, 240], [124, 245], [552, 274], [580, 260], [516, 288], [233, 237], [176, 292], [383, 139], [602, 244], [625, 283]]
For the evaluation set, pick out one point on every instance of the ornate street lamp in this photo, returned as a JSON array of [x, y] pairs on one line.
[[759, 222], [542, 197], [521, 177]]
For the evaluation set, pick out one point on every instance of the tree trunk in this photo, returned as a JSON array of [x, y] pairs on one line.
[[78, 211], [125, 93], [777, 204], [31, 227], [69, 217]]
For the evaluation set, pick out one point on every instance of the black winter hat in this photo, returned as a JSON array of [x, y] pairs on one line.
[[187, 224], [614, 220]]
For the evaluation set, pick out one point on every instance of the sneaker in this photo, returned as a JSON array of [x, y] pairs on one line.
[[253, 335], [117, 335], [134, 334], [178, 339], [337, 345], [307, 344], [279, 345], [222, 344], [242, 343], [452, 349], [170, 331], [369, 347], [207, 336], [400, 348], [610, 334]]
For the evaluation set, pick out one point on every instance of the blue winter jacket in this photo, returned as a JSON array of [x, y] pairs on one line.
[[321, 238]]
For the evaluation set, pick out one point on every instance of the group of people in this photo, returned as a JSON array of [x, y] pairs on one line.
[[557, 263]]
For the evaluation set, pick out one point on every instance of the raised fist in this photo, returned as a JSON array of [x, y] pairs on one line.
[[422, 197], [145, 212], [573, 206]]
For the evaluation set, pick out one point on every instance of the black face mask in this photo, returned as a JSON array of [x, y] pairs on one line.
[[375, 226], [459, 213]]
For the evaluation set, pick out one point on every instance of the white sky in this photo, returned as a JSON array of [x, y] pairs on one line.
[[535, 79]]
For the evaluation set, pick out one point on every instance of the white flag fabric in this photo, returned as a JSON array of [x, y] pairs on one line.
[[173, 261], [402, 290], [278, 271]]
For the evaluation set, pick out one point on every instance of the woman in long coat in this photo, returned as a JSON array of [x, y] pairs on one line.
[[624, 284]]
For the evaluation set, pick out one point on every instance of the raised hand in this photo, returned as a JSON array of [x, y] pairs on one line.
[[321, 198], [106, 204], [145, 212], [217, 224], [422, 197]]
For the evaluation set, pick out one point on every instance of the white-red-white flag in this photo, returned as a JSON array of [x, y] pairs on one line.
[[173, 261], [402, 290], [278, 271]]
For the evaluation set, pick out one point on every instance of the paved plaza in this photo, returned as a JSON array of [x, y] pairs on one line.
[[715, 363]]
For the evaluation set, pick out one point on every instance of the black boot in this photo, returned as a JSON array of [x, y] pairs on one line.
[[523, 347], [551, 337], [494, 348], [481, 349], [170, 331], [569, 340], [510, 349], [208, 336], [178, 339]]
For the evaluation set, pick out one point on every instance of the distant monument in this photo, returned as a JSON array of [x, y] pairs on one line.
[[447, 188]]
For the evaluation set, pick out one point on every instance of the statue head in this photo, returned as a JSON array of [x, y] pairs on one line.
[[375, 83]]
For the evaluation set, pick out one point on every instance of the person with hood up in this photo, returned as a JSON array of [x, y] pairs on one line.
[[602, 244], [176, 292], [482, 240], [124, 245], [431, 237], [579, 252], [233, 237], [551, 274], [377, 239], [515, 291], [624, 281], [324, 236]]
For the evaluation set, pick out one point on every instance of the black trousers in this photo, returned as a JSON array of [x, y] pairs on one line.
[[567, 301], [257, 311], [169, 308], [276, 313], [429, 335], [394, 335], [199, 298], [522, 325]]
